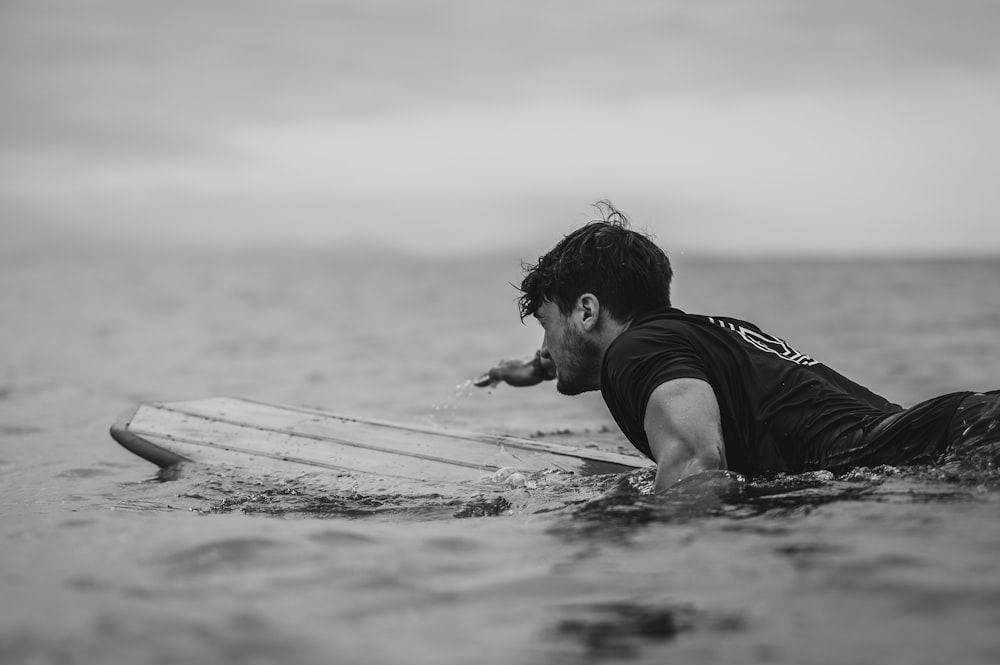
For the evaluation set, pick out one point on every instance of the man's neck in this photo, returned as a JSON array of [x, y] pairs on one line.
[[609, 332]]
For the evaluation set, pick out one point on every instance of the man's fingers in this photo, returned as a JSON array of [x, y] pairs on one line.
[[490, 378]]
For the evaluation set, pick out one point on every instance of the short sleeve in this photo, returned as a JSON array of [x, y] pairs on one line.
[[636, 364]]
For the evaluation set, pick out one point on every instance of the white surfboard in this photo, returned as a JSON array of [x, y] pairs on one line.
[[248, 433]]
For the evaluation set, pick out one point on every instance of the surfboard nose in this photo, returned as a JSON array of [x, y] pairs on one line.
[[134, 443]]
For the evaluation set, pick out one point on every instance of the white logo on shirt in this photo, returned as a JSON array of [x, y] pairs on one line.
[[764, 342]]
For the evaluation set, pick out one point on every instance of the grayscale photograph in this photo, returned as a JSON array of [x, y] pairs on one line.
[[372, 332]]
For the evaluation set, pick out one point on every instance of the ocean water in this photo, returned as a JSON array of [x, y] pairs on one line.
[[104, 560]]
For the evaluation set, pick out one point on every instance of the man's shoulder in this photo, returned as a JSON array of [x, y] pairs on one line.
[[666, 318], [675, 331], [685, 322], [657, 324], [655, 332]]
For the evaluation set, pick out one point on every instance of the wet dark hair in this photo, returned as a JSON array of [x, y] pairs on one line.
[[625, 269]]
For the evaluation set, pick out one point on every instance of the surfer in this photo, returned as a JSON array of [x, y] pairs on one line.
[[698, 393]]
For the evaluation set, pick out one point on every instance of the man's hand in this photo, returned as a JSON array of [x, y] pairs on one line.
[[521, 372]]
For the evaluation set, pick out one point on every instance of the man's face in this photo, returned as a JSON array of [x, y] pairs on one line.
[[577, 358]]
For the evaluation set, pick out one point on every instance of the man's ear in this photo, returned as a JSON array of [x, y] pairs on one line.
[[589, 309]]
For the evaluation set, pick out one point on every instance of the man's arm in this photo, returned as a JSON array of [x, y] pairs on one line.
[[519, 372], [684, 429]]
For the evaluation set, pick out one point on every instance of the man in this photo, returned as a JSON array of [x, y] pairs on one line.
[[697, 393]]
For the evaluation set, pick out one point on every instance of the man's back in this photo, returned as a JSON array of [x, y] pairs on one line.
[[781, 409]]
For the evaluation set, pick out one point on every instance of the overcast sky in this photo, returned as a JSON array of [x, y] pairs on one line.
[[450, 125]]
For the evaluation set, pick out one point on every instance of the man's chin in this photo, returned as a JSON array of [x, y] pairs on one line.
[[564, 387]]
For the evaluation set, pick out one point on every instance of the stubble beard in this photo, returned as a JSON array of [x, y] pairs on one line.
[[580, 369]]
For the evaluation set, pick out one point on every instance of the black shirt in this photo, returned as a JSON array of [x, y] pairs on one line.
[[781, 410]]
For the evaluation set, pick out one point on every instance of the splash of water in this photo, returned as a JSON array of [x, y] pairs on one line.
[[463, 391]]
